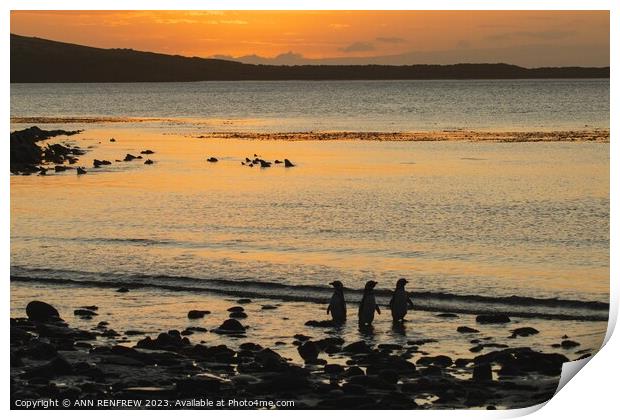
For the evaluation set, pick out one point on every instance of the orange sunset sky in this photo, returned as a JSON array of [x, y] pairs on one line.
[[527, 38]]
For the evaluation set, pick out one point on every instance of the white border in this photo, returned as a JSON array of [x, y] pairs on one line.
[[592, 394]]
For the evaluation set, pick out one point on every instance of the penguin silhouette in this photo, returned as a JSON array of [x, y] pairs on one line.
[[337, 305], [400, 302], [368, 305]]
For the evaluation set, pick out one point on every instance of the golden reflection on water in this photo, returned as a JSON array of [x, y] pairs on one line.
[[234, 214]]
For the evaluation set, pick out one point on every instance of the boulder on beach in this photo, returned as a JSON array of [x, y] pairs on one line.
[[84, 312], [523, 332], [308, 351], [466, 330], [569, 344], [442, 361], [41, 311], [288, 163], [492, 319], [129, 157], [357, 347], [148, 162], [81, 171], [122, 290], [212, 159], [147, 152], [230, 326], [196, 314]]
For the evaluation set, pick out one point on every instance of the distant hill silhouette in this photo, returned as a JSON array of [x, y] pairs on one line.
[[35, 60]]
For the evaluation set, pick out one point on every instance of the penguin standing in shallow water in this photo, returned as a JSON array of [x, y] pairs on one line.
[[337, 304], [368, 305], [400, 302]]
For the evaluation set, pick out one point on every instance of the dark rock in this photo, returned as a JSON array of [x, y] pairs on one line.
[[268, 307], [41, 311], [230, 326], [212, 160], [447, 315], [569, 344], [443, 361], [122, 290], [523, 332], [288, 163], [196, 329], [301, 337], [525, 360], [90, 307], [308, 351], [235, 309], [466, 330], [164, 341], [270, 359], [84, 312], [147, 152], [357, 347], [238, 315], [26, 154], [148, 162], [196, 314], [482, 372], [81, 171], [112, 140], [492, 319], [244, 301], [134, 332]]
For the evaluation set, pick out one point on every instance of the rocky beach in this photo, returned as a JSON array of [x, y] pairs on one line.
[[52, 359]]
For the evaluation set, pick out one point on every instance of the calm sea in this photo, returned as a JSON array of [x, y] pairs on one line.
[[332, 105], [470, 224]]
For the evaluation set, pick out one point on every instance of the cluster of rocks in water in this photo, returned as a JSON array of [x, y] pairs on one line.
[[27, 156], [49, 359], [259, 162]]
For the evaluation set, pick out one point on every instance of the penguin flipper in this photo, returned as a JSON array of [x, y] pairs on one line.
[[378, 310]]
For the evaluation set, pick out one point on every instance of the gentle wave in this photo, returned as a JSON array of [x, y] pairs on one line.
[[518, 306]]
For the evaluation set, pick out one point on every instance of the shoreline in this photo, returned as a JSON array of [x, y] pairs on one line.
[[520, 304], [53, 359]]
